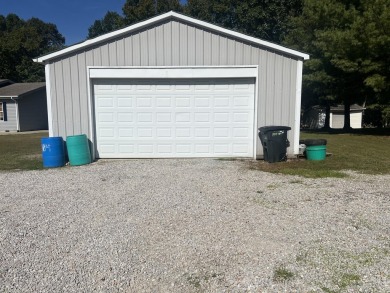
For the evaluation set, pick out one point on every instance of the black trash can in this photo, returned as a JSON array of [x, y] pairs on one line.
[[275, 142]]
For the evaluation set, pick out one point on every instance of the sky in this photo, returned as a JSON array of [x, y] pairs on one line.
[[72, 17]]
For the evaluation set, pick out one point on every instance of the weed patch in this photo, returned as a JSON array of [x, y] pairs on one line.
[[348, 280], [196, 280], [341, 269], [272, 186], [282, 274]]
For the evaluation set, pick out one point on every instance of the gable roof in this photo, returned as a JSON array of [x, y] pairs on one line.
[[174, 16], [4, 82], [18, 89]]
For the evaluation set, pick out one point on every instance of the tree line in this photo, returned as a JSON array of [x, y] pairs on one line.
[[20, 42], [347, 40]]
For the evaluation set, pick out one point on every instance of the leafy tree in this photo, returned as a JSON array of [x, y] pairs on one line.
[[139, 10], [263, 19], [20, 42], [110, 22], [201, 9], [163, 6], [347, 41]]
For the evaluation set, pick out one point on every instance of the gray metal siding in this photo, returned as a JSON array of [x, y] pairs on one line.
[[10, 124], [33, 111], [172, 43]]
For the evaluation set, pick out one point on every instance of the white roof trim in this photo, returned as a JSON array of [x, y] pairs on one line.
[[168, 15]]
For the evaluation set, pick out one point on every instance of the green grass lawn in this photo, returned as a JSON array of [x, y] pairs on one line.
[[363, 151], [21, 151], [366, 151]]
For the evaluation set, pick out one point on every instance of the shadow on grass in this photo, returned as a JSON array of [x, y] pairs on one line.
[[301, 167], [362, 131]]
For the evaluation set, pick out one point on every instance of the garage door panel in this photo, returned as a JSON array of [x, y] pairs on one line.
[[162, 132], [125, 102], [240, 148], [243, 117], [164, 117], [105, 117], [183, 117], [221, 101], [144, 102], [126, 148], [241, 101], [163, 102], [221, 117], [202, 132], [107, 102], [182, 102], [144, 117], [202, 117], [107, 132], [125, 132], [170, 118]]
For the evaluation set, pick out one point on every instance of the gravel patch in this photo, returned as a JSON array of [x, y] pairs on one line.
[[191, 225]]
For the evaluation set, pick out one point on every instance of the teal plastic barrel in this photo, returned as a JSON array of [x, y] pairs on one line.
[[316, 152], [78, 150], [53, 152]]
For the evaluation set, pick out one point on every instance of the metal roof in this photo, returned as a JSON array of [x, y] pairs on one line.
[[18, 89], [166, 16], [340, 108], [354, 107]]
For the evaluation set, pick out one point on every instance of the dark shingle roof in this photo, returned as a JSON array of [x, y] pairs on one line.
[[19, 89], [4, 82]]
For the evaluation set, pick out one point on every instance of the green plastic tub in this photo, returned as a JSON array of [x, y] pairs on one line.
[[316, 152], [78, 150]]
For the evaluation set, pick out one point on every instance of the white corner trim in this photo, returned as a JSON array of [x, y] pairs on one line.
[[298, 98], [91, 114], [172, 72], [255, 122], [48, 100], [165, 16]]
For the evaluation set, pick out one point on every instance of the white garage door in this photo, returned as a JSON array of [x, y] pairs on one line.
[[165, 118]]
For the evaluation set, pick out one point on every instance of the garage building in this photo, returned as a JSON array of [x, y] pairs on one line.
[[174, 86]]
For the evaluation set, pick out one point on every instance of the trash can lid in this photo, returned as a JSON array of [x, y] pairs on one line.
[[314, 141], [273, 128]]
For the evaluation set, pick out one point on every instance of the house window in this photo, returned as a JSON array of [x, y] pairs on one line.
[[3, 111]]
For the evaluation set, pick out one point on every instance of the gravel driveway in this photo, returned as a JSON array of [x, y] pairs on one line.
[[192, 226]]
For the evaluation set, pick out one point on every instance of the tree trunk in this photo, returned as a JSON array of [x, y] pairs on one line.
[[327, 117], [347, 114]]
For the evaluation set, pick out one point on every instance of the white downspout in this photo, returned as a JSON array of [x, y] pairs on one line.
[[17, 114]]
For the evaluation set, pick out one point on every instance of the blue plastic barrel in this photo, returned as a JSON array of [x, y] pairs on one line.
[[53, 152]]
